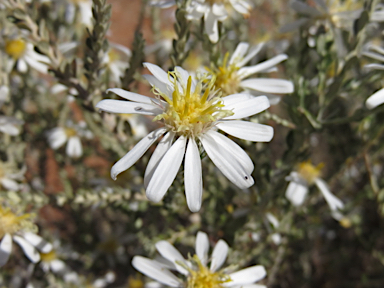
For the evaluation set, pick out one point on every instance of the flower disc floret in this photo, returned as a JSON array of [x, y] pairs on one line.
[[191, 112], [310, 172], [15, 48], [10, 223]]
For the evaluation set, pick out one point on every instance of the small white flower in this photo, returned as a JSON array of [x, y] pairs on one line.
[[24, 54], [58, 136], [10, 125], [214, 11], [113, 59], [191, 111], [13, 227], [231, 75], [200, 270], [300, 181], [8, 177]]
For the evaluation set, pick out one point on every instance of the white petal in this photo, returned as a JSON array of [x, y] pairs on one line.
[[333, 202], [132, 156], [219, 10], [202, 247], [169, 252], [219, 255], [374, 66], [155, 271], [128, 107], [252, 53], [246, 276], [261, 67], [57, 265], [133, 96], [375, 99], [211, 26], [273, 220], [193, 176], [248, 108], [38, 66], [74, 148], [241, 7], [22, 65], [158, 72], [157, 155], [267, 85], [5, 249], [167, 89], [226, 163], [57, 137], [166, 171], [9, 184], [9, 129], [239, 53], [38, 242], [28, 249], [296, 193], [234, 149], [235, 98], [247, 130]]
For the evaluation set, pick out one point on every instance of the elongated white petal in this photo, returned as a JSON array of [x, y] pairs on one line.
[[375, 99], [28, 249], [193, 176], [158, 72], [184, 75], [234, 149], [166, 171], [57, 265], [211, 26], [57, 137], [227, 163], [9, 184], [10, 129], [247, 130], [5, 249], [241, 6], [246, 276], [333, 202], [219, 255], [132, 156], [38, 242], [296, 193], [155, 271], [157, 155], [252, 53], [261, 67], [202, 247], [133, 96], [159, 86], [74, 148], [38, 66], [169, 252], [128, 107], [248, 108], [374, 66], [22, 65], [267, 85], [236, 98], [239, 53]]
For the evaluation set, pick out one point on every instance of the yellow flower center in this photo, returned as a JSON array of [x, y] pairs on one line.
[[113, 55], [70, 132], [227, 78], [310, 172], [191, 113], [15, 48], [10, 223], [135, 283], [48, 257], [204, 277]]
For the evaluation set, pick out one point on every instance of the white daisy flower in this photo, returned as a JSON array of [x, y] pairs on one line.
[[231, 76], [196, 273], [9, 177], [302, 179], [51, 262], [25, 55], [377, 53], [214, 11], [16, 228], [71, 134], [114, 62], [191, 111], [10, 125]]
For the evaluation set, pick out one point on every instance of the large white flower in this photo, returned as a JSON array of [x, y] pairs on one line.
[[13, 227], [231, 76], [306, 176], [196, 273], [191, 112], [214, 11], [24, 54]]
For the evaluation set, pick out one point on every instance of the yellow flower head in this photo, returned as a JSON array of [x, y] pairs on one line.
[[310, 172], [15, 48], [10, 223]]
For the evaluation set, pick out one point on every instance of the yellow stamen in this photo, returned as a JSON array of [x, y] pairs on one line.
[[48, 257], [15, 48], [203, 277], [70, 132], [310, 172], [10, 223]]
